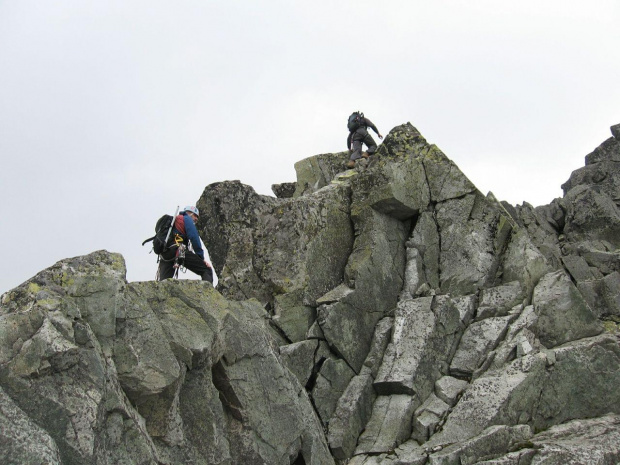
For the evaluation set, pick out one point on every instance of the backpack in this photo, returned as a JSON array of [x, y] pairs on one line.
[[163, 227], [355, 120]]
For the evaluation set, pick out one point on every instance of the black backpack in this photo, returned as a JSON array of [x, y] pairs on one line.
[[163, 228], [355, 120]]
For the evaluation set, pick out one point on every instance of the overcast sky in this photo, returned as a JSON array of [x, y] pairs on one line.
[[115, 112]]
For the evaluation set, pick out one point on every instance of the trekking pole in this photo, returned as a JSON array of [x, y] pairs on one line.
[[171, 225]]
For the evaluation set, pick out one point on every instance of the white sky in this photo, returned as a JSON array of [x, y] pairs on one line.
[[113, 113]]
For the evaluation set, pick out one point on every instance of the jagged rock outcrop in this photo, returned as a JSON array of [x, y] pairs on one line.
[[390, 314], [95, 370]]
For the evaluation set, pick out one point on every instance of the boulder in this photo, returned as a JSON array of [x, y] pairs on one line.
[[593, 441], [380, 341], [563, 314], [581, 382], [316, 172], [427, 417], [592, 216], [284, 190], [498, 301], [579, 385], [519, 340], [352, 413], [478, 340], [276, 246], [579, 269], [331, 382], [602, 295], [609, 150], [501, 397], [389, 424], [449, 389], [55, 370], [473, 234], [492, 442], [523, 262], [424, 335], [543, 225], [292, 317], [300, 359]]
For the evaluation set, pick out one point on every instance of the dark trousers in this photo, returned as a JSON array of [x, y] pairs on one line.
[[359, 138], [192, 262]]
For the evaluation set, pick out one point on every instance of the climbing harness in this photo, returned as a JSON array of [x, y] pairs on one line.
[[179, 260]]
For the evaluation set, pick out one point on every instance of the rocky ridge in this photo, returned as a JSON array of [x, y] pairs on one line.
[[390, 314]]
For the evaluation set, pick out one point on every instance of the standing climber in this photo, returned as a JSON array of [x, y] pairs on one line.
[[358, 134], [184, 233]]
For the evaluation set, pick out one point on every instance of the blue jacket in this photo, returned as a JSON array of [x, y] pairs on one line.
[[185, 227]]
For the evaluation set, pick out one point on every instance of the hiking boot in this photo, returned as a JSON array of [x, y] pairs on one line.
[[365, 155], [351, 164]]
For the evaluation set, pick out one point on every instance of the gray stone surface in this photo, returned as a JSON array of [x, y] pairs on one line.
[[380, 340], [352, 413], [588, 441], [498, 301], [427, 417], [408, 453], [449, 389], [425, 239], [299, 358], [478, 340], [175, 342], [389, 424], [473, 233], [492, 442], [518, 338], [424, 334], [604, 261], [349, 324], [284, 190], [543, 225], [334, 295], [563, 314], [501, 397], [592, 215], [398, 190], [331, 382], [22, 440], [466, 306], [602, 295], [591, 441], [318, 171], [292, 317], [581, 383], [578, 268], [275, 246], [523, 262], [365, 278]]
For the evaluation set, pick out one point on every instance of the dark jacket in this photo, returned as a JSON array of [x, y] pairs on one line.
[[361, 131]]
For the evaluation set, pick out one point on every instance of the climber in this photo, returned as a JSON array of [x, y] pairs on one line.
[[358, 134], [184, 233]]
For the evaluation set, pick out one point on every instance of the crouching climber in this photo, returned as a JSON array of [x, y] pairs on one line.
[[358, 134], [178, 253]]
